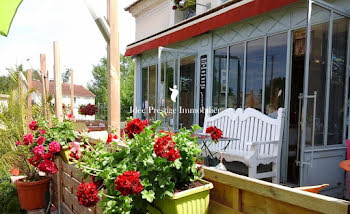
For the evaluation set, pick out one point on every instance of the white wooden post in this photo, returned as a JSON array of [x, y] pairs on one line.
[[71, 92], [58, 83], [29, 101], [114, 68], [43, 84]]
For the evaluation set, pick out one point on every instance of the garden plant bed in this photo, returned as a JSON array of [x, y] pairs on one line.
[[232, 193]]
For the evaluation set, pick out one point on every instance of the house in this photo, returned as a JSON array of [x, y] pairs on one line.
[[263, 54], [82, 96]]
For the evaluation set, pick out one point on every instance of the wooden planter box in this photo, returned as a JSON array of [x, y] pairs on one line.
[[231, 194]]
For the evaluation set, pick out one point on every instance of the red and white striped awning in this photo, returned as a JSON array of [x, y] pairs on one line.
[[218, 17]]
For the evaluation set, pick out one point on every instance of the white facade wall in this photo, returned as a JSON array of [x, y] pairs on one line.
[[154, 16]]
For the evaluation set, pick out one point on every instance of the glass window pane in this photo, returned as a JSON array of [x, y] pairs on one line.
[[235, 73], [317, 82], [275, 73], [144, 91], [219, 78], [152, 91], [254, 74], [337, 84], [187, 77]]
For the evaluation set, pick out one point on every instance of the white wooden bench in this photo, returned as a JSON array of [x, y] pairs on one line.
[[259, 139]]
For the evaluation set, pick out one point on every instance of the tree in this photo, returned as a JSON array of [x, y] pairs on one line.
[[99, 85], [66, 76]]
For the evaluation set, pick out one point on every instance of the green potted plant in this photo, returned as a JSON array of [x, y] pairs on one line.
[[156, 171], [35, 158]]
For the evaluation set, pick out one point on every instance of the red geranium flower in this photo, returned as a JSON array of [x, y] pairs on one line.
[[165, 148], [173, 154], [48, 167], [54, 147], [48, 156], [18, 143], [28, 139], [129, 183], [35, 160], [39, 150], [214, 132], [87, 194], [33, 125], [42, 132], [111, 137], [40, 140], [135, 126]]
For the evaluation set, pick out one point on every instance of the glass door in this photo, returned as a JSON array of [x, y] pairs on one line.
[[323, 102], [186, 108]]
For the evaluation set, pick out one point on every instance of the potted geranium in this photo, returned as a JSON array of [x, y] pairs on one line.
[[157, 171], [89, 109], [35, 159]]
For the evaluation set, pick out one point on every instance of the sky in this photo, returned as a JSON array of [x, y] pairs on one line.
[[38, 23]]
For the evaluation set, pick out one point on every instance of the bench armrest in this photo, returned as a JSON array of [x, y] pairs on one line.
[[262, 143]]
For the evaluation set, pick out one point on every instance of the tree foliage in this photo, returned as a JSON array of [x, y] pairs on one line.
[[99, 85], [66, 76]]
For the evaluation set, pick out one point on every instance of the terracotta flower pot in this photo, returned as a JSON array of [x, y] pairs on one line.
[[32, 194]]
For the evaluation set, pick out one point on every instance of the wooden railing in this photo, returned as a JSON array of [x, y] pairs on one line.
[[234, 193], [231, 194]]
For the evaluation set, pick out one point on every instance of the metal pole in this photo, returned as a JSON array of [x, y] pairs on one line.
[[244, 74], [114, 68], [346, 98], [264, 77], [306, 87], [58, 83], [328, 76]]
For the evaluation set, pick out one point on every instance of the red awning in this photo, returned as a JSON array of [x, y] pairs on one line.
[[230, 14]]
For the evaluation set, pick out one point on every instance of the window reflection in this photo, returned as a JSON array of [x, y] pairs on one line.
[[144, 91], [219, 78], [337, 89], [317, 82], [275, 73], [254, 74], [235, 82], [152, 91]]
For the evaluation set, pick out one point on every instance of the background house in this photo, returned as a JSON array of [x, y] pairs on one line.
[[3, 99], [82, 96]]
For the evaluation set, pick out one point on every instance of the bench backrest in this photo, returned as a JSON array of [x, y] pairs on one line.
[[248, 125]]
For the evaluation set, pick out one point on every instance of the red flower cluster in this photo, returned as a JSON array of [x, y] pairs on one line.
[[54, 147], [165, 148], [129, 183], [88, 109], [42, 132], [48, 166], [40, 140], [214, 132], [28, 139], [87, 194], [111, 137], [135, 126], [44, 161], [33, 125]]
